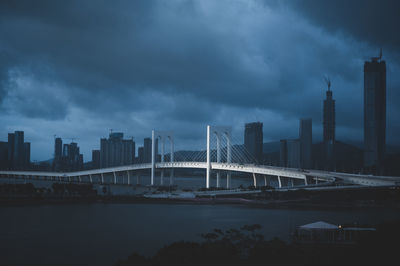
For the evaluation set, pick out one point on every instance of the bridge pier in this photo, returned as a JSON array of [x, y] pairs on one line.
[[228, 180], [228, 157], [115, 178], [162, 160], [171, 177], [153, 157], [208, 169], [218, 131], [265, 181], [129, 177], [254, 180], [162, 136], [279, 181], [218, 156], [102, 178], [171, 174]]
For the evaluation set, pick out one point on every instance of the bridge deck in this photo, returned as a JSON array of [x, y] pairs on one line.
[[232, 167]]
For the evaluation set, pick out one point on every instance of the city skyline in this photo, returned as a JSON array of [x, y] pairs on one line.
[[195, 132], [220, 70]]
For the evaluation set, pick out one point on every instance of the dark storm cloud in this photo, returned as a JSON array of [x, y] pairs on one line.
[[3, 76], [372, 21], [179, 65], [174, 53], [111, 51]]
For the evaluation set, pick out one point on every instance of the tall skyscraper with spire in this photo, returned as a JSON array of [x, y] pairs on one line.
[[329, 127], [374, 114], [329, 116]]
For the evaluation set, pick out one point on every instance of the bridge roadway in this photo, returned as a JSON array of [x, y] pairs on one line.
[[263, 170]]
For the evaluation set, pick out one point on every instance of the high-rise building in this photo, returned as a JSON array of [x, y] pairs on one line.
[[73, 156], [11, 138], [69, 159], [65, 150], [104, 153], [19, 154], [18, 151], [305, 137], [374, 114], [283, 156], [3, 155], [290, 153], [27, 154], [128, 152], [140, 155], [329, 129], [80, 162], [57, 148], [253, 140], [58, 153], [147, 150], [96, 159], [116, 151], [329, 117]]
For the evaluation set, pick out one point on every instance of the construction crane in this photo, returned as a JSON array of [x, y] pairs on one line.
[[328, 82], [72, 139]]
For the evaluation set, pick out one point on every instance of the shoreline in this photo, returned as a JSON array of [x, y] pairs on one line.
[[298, 204]]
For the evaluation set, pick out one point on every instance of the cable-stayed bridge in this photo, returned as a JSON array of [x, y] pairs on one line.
[[219, 158]]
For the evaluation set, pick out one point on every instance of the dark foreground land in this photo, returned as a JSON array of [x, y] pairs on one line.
[[245, 246]]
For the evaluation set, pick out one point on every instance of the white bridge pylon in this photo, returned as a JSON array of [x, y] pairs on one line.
[[218, 132], [162, 136]]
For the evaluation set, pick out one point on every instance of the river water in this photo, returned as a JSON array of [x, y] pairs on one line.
[[99, 234]]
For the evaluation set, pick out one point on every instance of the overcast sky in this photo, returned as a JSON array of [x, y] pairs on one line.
[[81, 68]]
